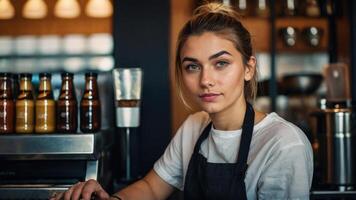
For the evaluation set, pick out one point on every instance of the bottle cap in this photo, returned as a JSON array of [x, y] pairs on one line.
[[5, 74], [91, 74], [64, 74], [25, 75], [45, 74]]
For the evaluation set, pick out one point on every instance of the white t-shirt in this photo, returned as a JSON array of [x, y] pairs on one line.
[[280, 160]]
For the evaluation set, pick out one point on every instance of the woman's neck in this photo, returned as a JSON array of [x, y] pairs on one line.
[[231, 118]]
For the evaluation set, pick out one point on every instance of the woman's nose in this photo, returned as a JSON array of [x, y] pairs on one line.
[[206, 78]]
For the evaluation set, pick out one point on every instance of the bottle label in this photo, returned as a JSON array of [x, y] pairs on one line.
[[45, 116], [24, 116], [7, 116], [66, 117], [90, 117]]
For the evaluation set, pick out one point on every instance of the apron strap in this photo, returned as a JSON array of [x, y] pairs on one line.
[[202, 137], [247, 131]]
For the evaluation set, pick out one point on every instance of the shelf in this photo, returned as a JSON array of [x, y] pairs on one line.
[[301, 23], [260, 30], [54, 56], [332, 194]]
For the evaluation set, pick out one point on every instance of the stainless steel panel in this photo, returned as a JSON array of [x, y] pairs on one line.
[[47, 144], [92, 170], [30, 191], [336, 137]]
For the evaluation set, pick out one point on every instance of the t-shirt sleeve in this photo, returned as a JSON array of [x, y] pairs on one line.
[[169, 166], [287, 174]]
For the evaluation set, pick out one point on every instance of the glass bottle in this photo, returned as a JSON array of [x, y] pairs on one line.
[[312, 8], [67, 106], [90, 111], [290, 7], [45, 106], [262, 9], [242, 7], [25, 106], [7, 104]]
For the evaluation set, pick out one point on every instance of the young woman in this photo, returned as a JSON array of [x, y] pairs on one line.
[[228, 150]]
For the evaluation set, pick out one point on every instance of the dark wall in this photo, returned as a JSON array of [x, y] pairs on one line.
[[352, 19], [141, 31]]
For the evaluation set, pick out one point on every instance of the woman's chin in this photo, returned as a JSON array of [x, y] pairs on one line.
[[211, 109]]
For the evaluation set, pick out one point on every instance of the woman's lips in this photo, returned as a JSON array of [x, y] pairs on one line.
[[208, 97]]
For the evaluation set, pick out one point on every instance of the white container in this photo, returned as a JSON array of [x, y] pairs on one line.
[[6, 45], [101, 63], [100, 43], [49, 45], [74, 64], [49, 64], [26, 45], [25, 65], [74, 44]]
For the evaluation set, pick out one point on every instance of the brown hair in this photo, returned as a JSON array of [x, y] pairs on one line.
[[224, 21]]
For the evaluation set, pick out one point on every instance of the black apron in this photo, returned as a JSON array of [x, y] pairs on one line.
[[213, 181]]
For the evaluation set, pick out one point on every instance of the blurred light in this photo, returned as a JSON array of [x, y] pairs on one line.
[[67, 9], [7, 11], [35, 9], [74, 64], [99, 8], [102, 63]]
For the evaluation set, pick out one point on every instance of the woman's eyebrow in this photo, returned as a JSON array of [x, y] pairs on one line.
[[210, 58], [219, 54], [189, 59]]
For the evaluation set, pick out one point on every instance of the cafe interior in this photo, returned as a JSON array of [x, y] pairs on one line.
[[306, 63]]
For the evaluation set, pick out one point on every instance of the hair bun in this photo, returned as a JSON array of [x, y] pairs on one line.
[[218, 8]]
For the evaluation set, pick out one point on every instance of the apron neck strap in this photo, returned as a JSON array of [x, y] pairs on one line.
[[246, 136]]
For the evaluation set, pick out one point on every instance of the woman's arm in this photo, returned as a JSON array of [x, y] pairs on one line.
[[150, 187]]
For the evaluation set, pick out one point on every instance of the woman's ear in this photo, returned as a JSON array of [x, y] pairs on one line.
[[250, 68]]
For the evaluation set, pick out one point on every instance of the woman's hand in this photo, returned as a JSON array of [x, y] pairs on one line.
[[83, 191]]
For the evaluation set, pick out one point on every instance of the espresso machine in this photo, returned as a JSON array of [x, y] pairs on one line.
[[36, 166]]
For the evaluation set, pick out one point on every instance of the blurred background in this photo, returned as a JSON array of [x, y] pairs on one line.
[[297, 43]]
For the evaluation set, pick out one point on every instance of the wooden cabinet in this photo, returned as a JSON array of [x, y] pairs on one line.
[[260, 29]]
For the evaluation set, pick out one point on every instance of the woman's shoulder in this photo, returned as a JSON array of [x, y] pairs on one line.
[[196, 120], [280, 131], [194, 124]]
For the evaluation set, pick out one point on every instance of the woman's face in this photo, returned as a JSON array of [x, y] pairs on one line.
[[213, 72]]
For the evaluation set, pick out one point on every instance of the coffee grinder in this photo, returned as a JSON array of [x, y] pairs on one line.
[[127, 85]]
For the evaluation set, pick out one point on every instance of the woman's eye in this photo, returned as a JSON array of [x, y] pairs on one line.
[[221, 64], [192, 67]]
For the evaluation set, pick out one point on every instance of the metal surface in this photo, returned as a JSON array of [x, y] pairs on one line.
[[328, 194], [92, 170], [60, 163], [30, 191], [47, 144], [127, 86], [127, 116], [336, 147], [127, 83], [299, 84], [128, 155]]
